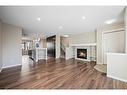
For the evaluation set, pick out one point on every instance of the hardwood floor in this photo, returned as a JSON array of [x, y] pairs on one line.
[[57, 74]]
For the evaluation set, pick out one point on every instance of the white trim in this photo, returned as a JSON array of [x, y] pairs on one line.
[[11, 66], [113, 30], [83, 59], [99, 63], [89, 44], [0, 69], [117, 53], [69, 58], [117, 78]]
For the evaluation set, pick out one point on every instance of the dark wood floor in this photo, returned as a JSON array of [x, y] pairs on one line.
[[57, 74]]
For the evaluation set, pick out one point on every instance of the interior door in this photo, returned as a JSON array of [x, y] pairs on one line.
[[113, 42]]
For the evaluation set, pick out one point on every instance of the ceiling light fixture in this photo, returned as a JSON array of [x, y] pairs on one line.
[[83, 17], [110, 21], [65, 35], [38, 18], [61, 27]]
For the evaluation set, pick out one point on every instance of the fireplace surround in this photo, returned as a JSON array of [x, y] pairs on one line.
[[82, 53], [89, 54]]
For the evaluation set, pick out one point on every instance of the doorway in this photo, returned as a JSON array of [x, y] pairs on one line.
[[27, 45], [51, 46]]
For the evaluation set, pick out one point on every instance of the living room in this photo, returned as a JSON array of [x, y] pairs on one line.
[[63, 47]]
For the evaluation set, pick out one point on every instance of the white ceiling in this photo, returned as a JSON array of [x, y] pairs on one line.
[[59, 19]]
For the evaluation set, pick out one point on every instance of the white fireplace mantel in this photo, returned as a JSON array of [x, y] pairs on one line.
[[71, 51], [89, 44], [88, 52], [91, 51]]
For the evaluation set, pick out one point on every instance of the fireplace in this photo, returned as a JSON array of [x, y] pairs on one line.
[[82, 53]]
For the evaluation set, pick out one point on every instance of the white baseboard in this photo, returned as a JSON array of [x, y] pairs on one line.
[[83, 59], [11, 66], [117, 78], [69, 58], [0, 70]]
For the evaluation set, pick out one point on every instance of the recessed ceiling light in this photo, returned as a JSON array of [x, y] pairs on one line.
[[65, 35], [110, 21], [38, 18], [61, 27], [83, 17]]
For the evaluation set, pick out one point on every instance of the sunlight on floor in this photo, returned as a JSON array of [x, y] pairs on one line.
[[25, 59], [101, 68]]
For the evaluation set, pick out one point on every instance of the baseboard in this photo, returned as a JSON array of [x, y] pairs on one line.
[[69, 58], [117, 78], [83, 59], [0, 70], [11, 66], [94, 60]]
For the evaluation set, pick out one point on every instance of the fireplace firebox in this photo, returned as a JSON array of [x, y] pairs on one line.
[[82, 53]]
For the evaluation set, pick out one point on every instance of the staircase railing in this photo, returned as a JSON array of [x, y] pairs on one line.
[[63, 49]]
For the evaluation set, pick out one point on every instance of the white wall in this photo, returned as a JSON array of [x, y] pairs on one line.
[[11, 44], [110, 45], [125, 22], [117, 66], [83, 38], [69, 53], [0, 46], [100, 30], [41, 43], [44, 43]]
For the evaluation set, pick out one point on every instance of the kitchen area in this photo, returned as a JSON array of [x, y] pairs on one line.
[[33, 50]]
